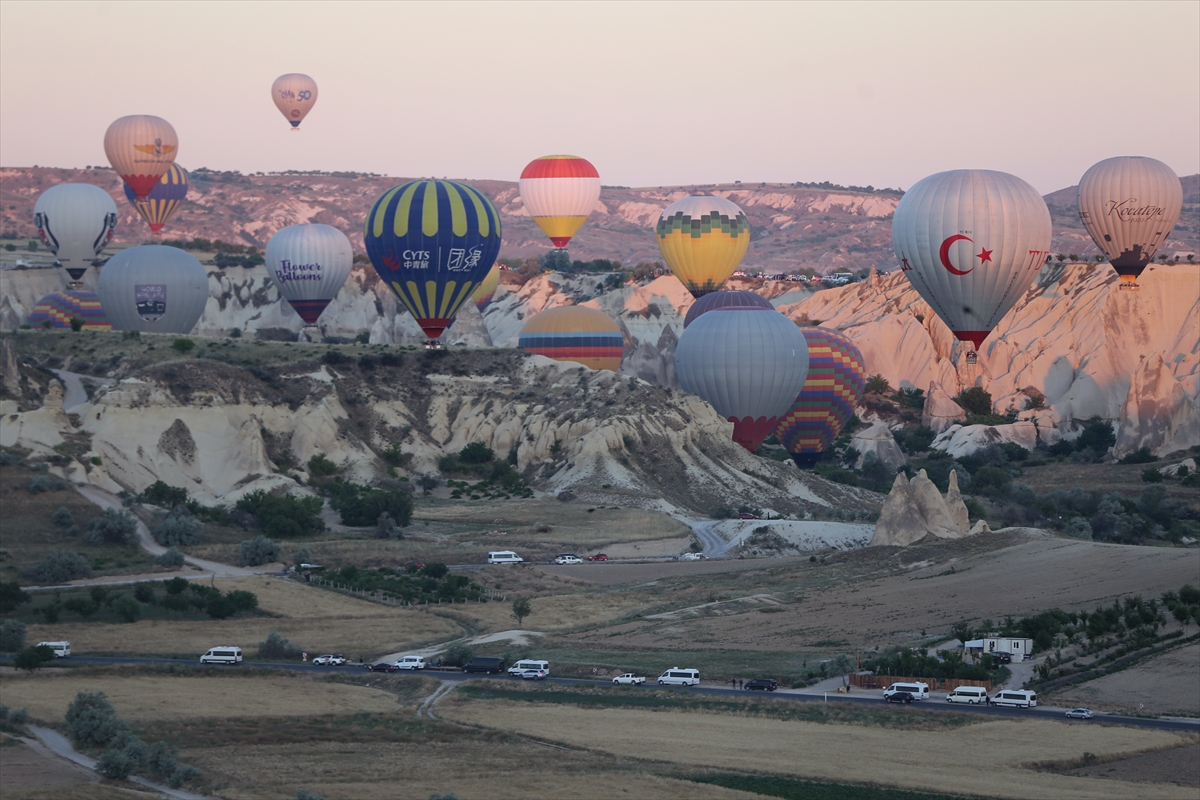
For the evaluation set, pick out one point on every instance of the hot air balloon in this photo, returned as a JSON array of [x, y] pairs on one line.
[[559, 192], [309, 264], [748, 364], [970, 242], [294, 94], [76, 221], [432, 243], [56, 310], [486, 290], [575, 333], [703, 239], [1129, 205], [835, 383], [141, 148], [163, 199], [153, 289], [739, 299]]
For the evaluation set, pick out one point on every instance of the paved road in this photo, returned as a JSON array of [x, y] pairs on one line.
[[715, 545]]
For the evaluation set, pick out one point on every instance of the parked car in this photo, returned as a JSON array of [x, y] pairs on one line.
[[331, 660], [567, 558], [491, 666], [411, 662], [220, 655], [764, 684], [693, 557], [629, 679], [1080, 713], [533, 674], [747, 516], [529, 663], [382, 666], [598, 557], [899, 697]]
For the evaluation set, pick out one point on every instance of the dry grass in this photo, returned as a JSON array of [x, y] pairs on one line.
[[554, 613], [997, 749], [571, 523], [1152, 687]]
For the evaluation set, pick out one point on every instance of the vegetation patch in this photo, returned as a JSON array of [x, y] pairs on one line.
[[797, 789]]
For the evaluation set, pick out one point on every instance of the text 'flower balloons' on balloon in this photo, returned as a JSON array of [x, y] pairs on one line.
[[1130, 205], [432, 243], [153, 289], [56, 310], [309, 264], [748, 364], [76, 221], [703, 239], [294, 94], [559, 192], [141, 148], [834, 386], [970, 242], [575, 333], [163, 200]]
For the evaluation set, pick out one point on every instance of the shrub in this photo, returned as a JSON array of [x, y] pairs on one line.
[[127, 609], [1151, 475], [19, 717], [277, 647], [1079, 528], [12, 597], [92, 721], [321, 467], [32, 658], [162, 494], [1061, 448], [975, 400], [12, 636], [183, 345], [144, 592], [59, 567], [39, 484], [1097, 435], [258, 551], [63, 518], [914, 440], [877, 384], [184, 773], [991, 481], [118, 763], [176, 585], [114, 526], [162, 759], [1143, 456], [283, 515], [476, 453], [458, 654], [876, 474], [179, 530], [172, 559], [302, 556], [360, 506]]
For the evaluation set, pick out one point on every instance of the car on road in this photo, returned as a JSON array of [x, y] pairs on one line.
[[629, 679], [331, 660], [567, 558], [747, 516], [533, 674], [598, 557], [693, 557], [1080, 713], [763, 684], [899, 697], [382, 666], [411, 662]]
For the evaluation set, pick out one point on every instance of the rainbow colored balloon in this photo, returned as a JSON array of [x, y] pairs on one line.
[[56, 310], [835, 383], [163, 200], [575, 333]]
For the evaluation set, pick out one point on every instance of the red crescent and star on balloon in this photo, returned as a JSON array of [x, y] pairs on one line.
[[984, 255]]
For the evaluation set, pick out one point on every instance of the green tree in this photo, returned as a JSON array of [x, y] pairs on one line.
[[183, 345], [521, 608], [975, 400], [320, 466], [458, 654], [476, 453], [877, 384], [32, 658], [12, 636], [961, 630], [258, 551], [76, 324], [113, 526], [12, 597]]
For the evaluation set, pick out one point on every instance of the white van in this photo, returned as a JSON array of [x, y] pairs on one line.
[[504, 557], [679, 677], [411, 662], [61, 649], [1015, 697], [521, 666], [968, 694], [222, 655], [919, 691]]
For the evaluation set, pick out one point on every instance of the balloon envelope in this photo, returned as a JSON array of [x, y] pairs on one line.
[[486, 290], [432, 243], [163, 200], [56, 310], [970, 242], [748, 364], [559, 192], [1130, 205], [309, 264], [739, 299], [141, 148], [834, 386], [294, 94], [703, 239], [575, 333], [153, 289], [76, 221]]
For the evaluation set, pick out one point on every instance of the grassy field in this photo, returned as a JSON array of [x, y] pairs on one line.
[[1155, 686]]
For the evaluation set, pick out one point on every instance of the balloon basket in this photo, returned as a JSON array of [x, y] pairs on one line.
[[1129, 287], [972, 357], [434, 344]]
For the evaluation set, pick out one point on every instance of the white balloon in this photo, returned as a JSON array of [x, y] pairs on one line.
[[970, 242], [76, 221], [1129, 205], [309, 264], [153, 289]]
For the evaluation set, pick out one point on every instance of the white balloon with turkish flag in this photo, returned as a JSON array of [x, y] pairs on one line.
[[970, 241]]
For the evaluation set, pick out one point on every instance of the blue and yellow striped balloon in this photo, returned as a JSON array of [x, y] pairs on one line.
[[163, 199], [432, 243]]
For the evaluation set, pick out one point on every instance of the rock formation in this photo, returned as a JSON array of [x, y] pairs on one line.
[[959, 441], [878, 439], [1158, 413], [940, 410], [915, 509]]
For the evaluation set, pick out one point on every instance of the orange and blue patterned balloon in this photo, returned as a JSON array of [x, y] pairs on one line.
[[575, 333], [835, 383], [56, 310], [432, 243], [163, 199]]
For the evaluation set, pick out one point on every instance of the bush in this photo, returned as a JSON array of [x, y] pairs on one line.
[[476, 453], [127, 609], [277, 647], [877, 384], [458, 654], [321, 467], [258, 551], [302, 556], [114, 526], [360, 506], [975, 400], [1097, 435], [179, 530], [991, 481], [1143, 456], [12, 597], [144, 592], [876, 474], [183, 345], [283, 516], [59, 567], [162, 759], [12, 636], [39, 484], [1079, 528], [172, 559], [118, 763], [92, 721], [63, 518], [32, 658], [19, 717], [184, 773], [1151, 475], [162, 494], [176, 585], [914, 440]]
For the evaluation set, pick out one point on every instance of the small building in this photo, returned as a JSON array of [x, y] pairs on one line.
[[1018, 648]]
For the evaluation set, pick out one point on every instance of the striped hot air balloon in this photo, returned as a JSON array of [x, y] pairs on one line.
[[575, 333], [486, 290], [835, 383], [703, 239], [740, 299], [432, 243], [163, 200], [141, 148], [56, 310], [559, 192]]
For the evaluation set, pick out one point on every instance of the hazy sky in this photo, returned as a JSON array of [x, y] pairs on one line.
[[671, 93]]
